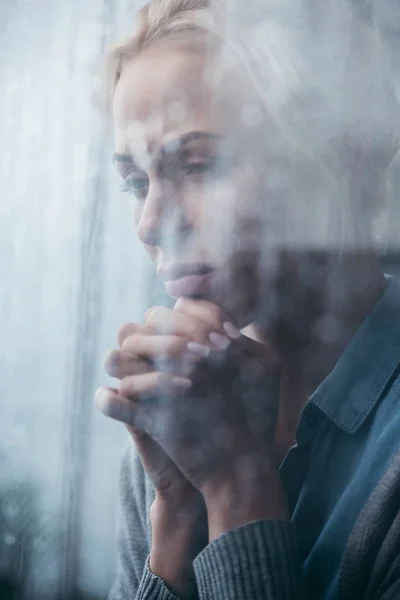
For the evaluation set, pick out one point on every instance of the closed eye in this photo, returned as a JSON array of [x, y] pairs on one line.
[[138, 185]]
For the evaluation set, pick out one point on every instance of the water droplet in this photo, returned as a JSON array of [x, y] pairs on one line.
[[9, 539]]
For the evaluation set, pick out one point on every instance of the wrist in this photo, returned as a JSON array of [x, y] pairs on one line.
[[174, 568], [239, 500], [178, 535], [179, 579], [176, 513]]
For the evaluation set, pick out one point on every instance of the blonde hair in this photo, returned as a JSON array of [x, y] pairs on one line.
[[297, 89], [158, 20]]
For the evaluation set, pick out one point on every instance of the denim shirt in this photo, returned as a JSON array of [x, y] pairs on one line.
[[348, 432]]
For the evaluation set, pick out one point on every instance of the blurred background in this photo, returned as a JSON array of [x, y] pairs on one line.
[[71, 273]]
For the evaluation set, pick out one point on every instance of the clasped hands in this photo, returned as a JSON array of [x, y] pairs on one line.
[[201, 403]]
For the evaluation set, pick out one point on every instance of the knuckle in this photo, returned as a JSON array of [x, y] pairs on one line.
[[112, 359], [148, 311], [104, 401], [129, 343], [128, 386], [182, 304], [124, 331], [150, 315], [112, 405]]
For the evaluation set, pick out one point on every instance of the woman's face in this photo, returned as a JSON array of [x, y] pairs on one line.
[[189, 139]]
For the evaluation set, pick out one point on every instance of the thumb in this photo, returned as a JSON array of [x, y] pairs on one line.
[[150, 452]]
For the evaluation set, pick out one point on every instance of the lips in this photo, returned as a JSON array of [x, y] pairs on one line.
[[186, 279]]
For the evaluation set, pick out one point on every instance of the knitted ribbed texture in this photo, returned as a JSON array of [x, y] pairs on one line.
[[152, 587], [256, 561], [371, 563], [259, 561]]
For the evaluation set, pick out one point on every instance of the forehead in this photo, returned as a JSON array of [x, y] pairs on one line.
[[169, 90]]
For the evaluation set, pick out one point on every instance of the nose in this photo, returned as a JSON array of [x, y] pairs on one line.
[[162, 220]]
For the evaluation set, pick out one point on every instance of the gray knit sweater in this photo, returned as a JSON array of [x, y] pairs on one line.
[[261, 560]]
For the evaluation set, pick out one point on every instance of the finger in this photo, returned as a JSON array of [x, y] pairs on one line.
[[149, 450], [156, 347], [111, 404], [128, 329], [137, 387], [119, 364], [168, 321], [209, 313], [166, 353]]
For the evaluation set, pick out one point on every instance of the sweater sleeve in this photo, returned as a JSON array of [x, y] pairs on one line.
[[134, 580], [258, 561]]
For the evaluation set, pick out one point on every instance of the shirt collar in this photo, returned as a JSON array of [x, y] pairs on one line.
[[365, 368]]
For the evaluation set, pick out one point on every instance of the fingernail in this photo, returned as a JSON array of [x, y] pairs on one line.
[[182, 382], [220, 341], [100, 395], [198, 349], [102, 400], [231, 330]]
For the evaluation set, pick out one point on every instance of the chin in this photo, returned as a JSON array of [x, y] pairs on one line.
[[237, 297]]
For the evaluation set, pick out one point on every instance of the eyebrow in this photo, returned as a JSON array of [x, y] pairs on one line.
[[183, 139]]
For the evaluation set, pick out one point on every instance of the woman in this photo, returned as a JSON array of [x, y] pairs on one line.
[[263, 405]]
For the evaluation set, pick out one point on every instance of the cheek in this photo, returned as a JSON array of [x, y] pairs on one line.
[[239, 242], [250, 251], [234, 209]]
